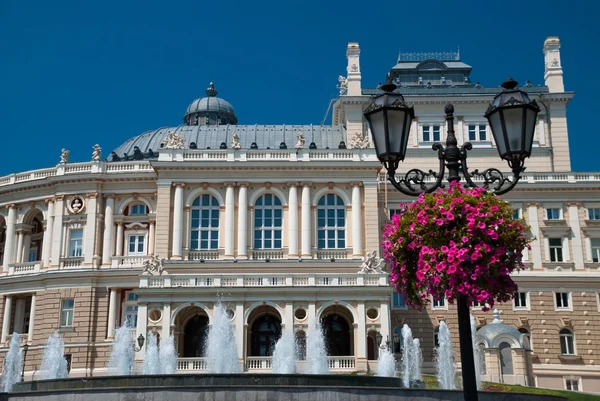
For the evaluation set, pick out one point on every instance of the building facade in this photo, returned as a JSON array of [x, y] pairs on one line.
[[275, 221]]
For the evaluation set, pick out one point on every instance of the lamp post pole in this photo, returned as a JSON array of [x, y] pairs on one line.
[[511, 115], [25, 349]]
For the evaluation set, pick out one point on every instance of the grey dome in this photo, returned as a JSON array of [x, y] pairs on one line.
[[210, 110], [496, 332]]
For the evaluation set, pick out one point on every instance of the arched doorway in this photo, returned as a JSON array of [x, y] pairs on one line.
[[266, 330], [506, 363], [337, 335], [194, 337]]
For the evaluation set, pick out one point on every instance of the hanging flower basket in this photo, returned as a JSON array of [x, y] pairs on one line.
[[456, 241]]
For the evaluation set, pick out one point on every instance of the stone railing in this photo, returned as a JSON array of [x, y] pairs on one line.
[[71, 262], [201, 255], [185, 365], [258, 363], [332, 253], [341, 363], [78, 168], [24, 268], [265, 254], [265, 280], [129, 261], [534, 178]]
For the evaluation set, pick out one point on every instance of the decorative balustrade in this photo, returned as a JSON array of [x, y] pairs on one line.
[[267, 254], [24, 268], [261, 280], [202, 255], [71, 262], [192, 365], [332, 253], [341, 363], [256, 363], [129, 261]]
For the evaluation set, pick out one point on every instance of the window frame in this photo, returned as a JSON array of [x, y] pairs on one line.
[[566, 344], [527, 301], [212, 231], [337, 229], [399, 305], [137, 205], [568, 380], [431, 132], [550, 216], [64, 319], [477, 131], [595, 216], [569, 299], [272, 229], [441, 303], [137, 235], [595, 248], [556, 254], [72, 241]]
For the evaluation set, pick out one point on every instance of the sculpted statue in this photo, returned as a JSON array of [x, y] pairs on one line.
[[97, 153], [154, 265], [235, 141], [64, 156], [372, 264], [173, 141], [360, 140], [301, 140], [342, 85]]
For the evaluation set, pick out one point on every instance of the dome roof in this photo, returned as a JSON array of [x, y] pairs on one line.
[[210, 110], [497, 331]]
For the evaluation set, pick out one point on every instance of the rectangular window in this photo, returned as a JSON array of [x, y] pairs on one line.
[[398, 301], [66, 312], [131, 313], [432, 133], [439, 303], [572, 384], [556, 250], [136, 244], [477, 133], [138, 210], [594, 213], [562, 300], [521, 300], [553, 213], [76, 243], [478, 305], [595, 250], [32, 255], [132, 296], [392, 212], [517, 213]]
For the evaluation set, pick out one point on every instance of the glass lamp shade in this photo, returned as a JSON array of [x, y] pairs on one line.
[[379, 338], [512, 117], [389, 119], [140, 340]]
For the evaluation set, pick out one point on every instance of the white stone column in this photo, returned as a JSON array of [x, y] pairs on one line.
[[293, 221], [119, 245], [306, 221], [361, 352], [166, 326], [536, 250], [288, 319], [9, 250], [31, 318], [357, 221], [384, 319], [239, 330], [177, 221], [6, 319], [151, 237], [229, 220], [112, 313], [47, 241], [242, 245], [26, 246], [142, 325], [108, 230], [89, 238], [311, 314], [576, 235], [20, 235], [19, 315]]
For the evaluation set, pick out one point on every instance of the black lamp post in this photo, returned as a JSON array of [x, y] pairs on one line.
[[379, 339], [511, 115], [25, 349], [140, 341]]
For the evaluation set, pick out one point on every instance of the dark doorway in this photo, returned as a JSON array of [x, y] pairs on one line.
[[337, 335], [266, 330], [194, 337]]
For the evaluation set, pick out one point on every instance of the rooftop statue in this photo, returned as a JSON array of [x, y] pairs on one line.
[[372, 264], [64, 156], [360, 140], [97, 153], [173, 141], [301, 140], [235, 142], [343, 85]]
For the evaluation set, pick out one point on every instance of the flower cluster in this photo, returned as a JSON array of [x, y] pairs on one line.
[[456, 241]]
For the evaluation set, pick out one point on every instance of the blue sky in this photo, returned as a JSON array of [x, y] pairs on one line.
[[74, 73]]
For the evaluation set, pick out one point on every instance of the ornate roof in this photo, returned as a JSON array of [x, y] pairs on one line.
[[210, 110], [496, 332]]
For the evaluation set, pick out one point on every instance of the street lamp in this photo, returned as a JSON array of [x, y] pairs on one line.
[[512, 117], [25, 349], [379, 339], [140, 341]]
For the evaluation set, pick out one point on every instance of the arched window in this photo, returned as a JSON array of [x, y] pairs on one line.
[[331, 222], [267, 222], [266, 330], [397, 339], [526, 337], [205, 223], [567, 342]]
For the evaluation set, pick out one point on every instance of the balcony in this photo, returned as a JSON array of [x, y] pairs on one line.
[[201, 255], [71, 262], [129, 261], [24, 268], [263, 364], [267, 254], [264, 280]]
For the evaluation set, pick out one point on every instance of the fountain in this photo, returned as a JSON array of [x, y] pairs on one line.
[[417, 362], [13, 364], [386, 363], [316, 351], [476, 355], [54, 364], [168, 356], [122, 352], [284, 356], [445, 359], [222, 351], [407, 355], [151, 364]]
